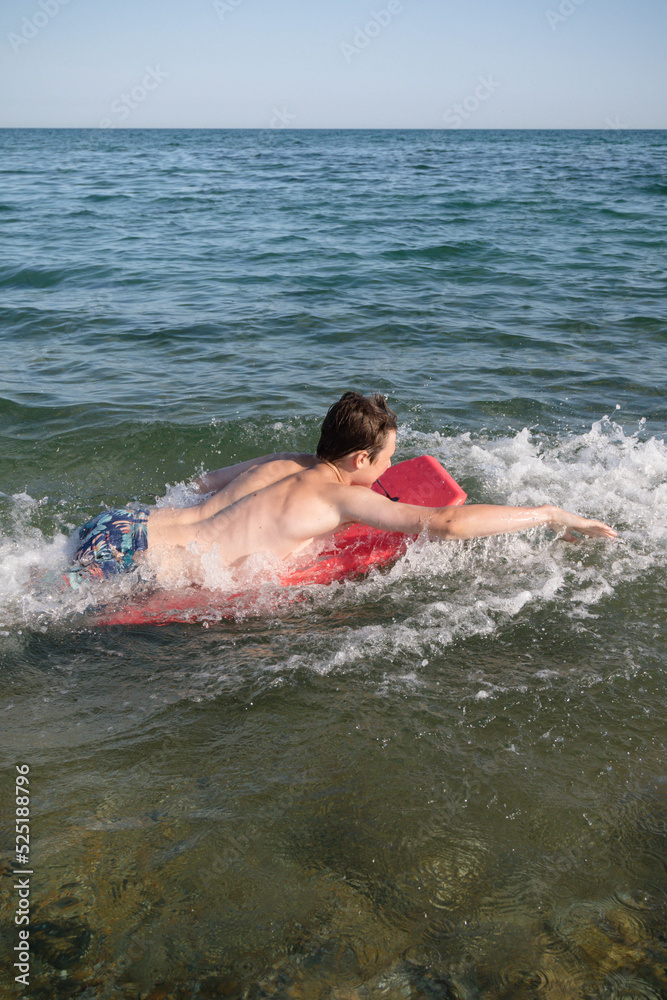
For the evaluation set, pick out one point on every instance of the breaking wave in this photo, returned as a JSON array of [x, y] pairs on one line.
[[438, 593]]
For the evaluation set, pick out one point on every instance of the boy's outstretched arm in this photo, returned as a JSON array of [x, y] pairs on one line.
[[471, 521], [481, 520], [212, 482]]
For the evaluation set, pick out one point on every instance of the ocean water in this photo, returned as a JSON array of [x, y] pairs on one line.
[[446, 778]]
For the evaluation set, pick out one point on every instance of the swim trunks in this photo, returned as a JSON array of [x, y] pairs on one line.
[[107, 544]]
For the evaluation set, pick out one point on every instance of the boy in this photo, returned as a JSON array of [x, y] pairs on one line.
[[279, 503]]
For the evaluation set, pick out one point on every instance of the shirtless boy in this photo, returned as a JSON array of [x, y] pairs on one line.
[[279, 503]]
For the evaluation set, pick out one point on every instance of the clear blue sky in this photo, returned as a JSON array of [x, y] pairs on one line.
[[348, 63]]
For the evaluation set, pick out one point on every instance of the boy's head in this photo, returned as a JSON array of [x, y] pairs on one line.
[[355, 423]]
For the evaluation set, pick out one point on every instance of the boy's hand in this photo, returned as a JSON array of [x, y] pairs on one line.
[[583, 525]]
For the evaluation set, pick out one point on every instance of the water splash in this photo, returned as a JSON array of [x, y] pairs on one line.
[[437, 593]]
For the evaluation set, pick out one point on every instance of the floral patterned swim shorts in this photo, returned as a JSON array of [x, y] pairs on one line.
[[107, 544]]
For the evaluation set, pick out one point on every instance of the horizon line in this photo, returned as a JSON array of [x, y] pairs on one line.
[[324, 128]]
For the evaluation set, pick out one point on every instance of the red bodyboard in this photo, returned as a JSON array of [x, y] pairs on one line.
[[421, 481]]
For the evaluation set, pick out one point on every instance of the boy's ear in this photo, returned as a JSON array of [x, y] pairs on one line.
[[359, 458]]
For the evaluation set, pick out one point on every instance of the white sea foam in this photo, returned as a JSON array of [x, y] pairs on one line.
[[180, 495], [444, 592], [32, 563]]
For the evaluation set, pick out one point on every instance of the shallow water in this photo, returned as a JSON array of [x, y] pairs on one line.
[[446, 778]]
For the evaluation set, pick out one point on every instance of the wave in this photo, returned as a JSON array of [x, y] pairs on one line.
[[438, 593], [49, 277], [450, 592]]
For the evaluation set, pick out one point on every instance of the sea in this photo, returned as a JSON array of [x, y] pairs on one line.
[[445, 778]]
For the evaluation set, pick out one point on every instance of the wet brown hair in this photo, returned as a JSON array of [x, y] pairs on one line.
[[355, 423]]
